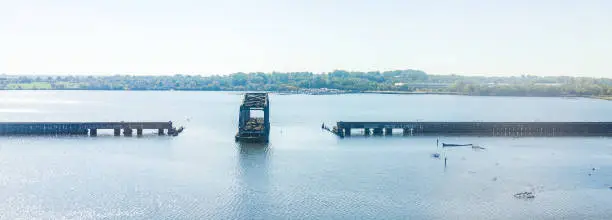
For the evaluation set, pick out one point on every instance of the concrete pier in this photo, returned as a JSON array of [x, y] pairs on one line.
[[514, 129], [82, 128]]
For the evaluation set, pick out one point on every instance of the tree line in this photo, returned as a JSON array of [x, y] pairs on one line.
[[350, 81]]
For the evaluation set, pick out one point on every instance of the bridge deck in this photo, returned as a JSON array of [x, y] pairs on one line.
[[81, 127], [482, 128]]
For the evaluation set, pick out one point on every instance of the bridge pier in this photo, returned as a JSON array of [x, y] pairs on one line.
[[347, 131], [257, 129], [93, 132], [388, 131], [160, 131], [139, 132], [127, 132], [117, 132], [366, 131], [378, 131]]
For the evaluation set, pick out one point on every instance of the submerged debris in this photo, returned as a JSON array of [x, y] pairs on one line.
[[455, 145], [524, 195], [476, 147]]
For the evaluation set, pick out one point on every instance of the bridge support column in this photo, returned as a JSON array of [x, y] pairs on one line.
[[366, 131], [139, 131], [160, 131], [117, 132], [378, 131], [127, 132], [93, 132], [347, 131], [406, 131], [388, 131]]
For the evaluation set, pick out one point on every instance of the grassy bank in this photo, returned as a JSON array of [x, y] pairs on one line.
[[29, 86]]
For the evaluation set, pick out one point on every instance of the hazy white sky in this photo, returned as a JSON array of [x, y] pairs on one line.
[[541, 37]]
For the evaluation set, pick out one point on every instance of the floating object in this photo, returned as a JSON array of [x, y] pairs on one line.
[[476, 147], [435, 155], [524, 195], [455, 145]]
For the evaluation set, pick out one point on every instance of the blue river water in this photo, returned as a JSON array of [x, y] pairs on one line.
[[304, 172]]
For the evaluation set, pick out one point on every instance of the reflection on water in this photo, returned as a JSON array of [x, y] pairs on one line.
[[253, 196]]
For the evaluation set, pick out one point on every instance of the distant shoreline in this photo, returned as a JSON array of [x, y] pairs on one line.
[[608, 98], [412, 93], [398, 82]]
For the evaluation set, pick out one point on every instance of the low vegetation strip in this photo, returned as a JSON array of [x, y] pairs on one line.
[[335, 82]]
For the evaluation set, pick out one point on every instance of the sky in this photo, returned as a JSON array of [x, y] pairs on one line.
[[152, 37]]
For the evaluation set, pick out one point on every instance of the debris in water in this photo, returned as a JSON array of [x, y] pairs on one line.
[[435, 155], [455, 145], [524, 195], [476, 147], [494, 179]]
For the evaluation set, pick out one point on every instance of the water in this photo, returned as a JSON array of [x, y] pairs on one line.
[[303, 173]]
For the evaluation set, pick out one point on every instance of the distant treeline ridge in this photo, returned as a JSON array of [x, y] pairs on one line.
[[399, 80]]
